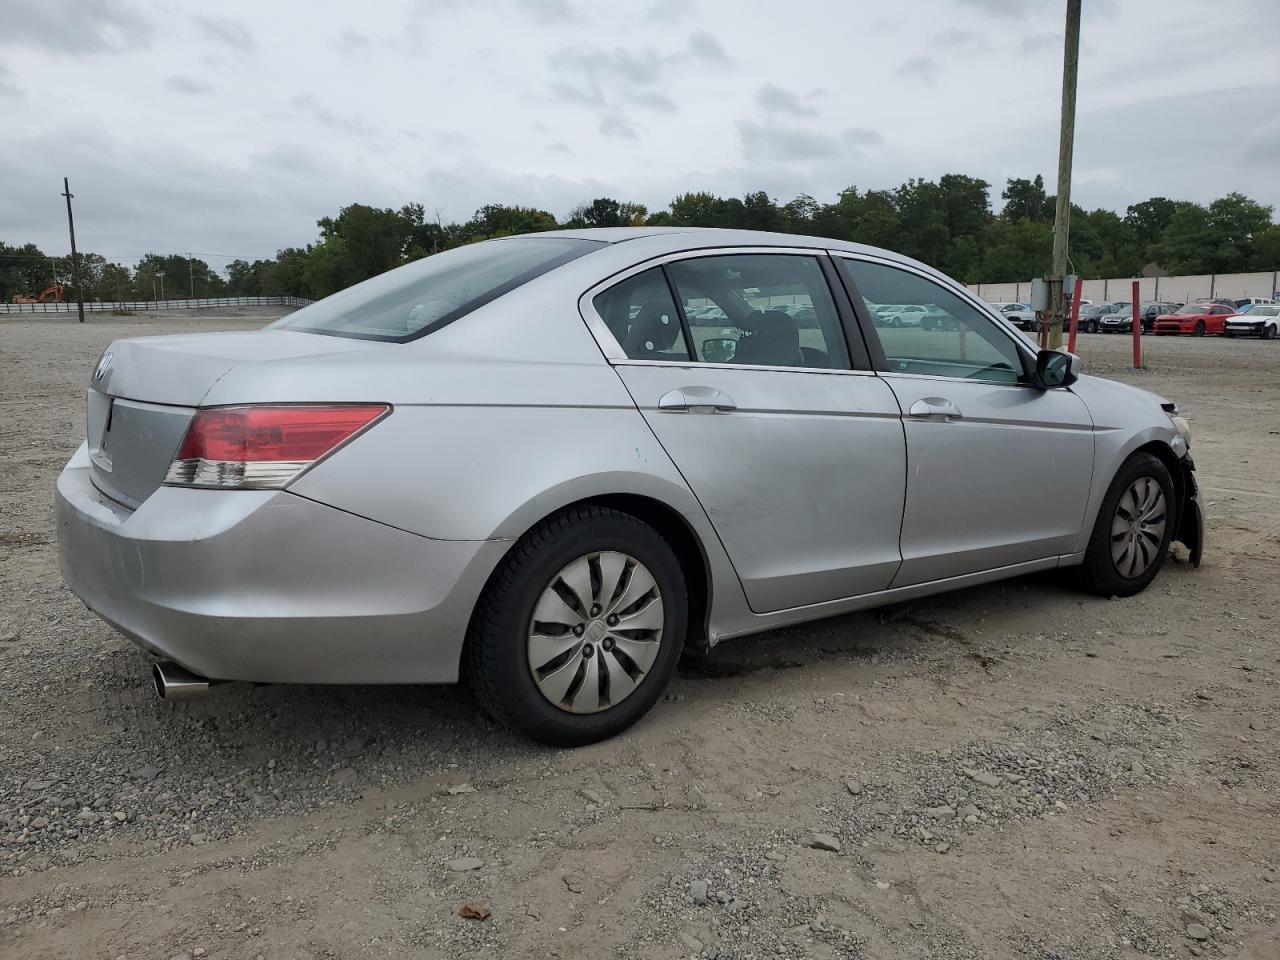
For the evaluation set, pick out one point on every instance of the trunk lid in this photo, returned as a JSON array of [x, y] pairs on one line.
[[144, 392]]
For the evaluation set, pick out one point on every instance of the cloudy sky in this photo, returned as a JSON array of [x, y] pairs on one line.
[[227, 129]]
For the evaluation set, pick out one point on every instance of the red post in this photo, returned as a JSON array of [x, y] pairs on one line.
[[1137, 330], [1075, 317]]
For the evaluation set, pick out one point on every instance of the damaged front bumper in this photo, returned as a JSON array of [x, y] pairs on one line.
[[1190, 531]]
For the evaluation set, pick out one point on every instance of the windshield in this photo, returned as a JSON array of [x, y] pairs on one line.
[[1261, 310], [1192, 308], [411, 301]]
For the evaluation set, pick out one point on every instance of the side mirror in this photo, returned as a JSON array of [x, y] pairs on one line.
[[719, 350], [1054, 369]]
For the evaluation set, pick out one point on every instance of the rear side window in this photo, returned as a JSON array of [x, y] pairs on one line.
[[642, 317], [411, 301], [761, 309]]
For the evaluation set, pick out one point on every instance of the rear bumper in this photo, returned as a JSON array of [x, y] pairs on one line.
[[270, 587]]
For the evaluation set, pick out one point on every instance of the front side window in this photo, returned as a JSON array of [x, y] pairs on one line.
[[760, 309], [411, 301], [953, 339], [642, 317]]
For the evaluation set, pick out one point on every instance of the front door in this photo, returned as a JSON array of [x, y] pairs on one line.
[[747, 382], [998, 472]]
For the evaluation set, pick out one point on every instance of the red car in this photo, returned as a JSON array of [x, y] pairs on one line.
[[1196, 319]]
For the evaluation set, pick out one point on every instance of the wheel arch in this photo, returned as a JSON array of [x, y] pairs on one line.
[[698, 551]]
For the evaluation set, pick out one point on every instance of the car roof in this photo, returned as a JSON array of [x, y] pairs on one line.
[[682, 238]]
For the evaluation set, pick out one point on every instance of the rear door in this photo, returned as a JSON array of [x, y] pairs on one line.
[[738, 362], [998, 472]]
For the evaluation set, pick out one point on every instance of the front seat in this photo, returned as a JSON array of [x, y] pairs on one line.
[[773, 341], [652, 332]]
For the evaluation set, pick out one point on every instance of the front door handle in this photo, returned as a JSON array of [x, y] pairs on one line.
[[934, 408], [696, 400]]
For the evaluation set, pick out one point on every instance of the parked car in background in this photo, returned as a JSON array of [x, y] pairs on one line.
[[1195, 319], [1121, 320], [1251, 301], [1020, 315], [1256, 320], [487, 463], [1091, 315]]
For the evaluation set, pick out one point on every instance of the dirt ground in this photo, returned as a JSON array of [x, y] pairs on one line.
[[1016, 770]]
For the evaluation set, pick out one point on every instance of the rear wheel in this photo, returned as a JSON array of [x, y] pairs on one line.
[[1131, 536], [580, 629]]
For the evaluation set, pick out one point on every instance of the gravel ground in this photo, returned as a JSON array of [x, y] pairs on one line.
[[1016, 770]]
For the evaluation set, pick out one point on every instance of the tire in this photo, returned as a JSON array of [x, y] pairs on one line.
[[1093, 326], [1111, 571], [501, 648], [1268, 332], [1228, 334], [1198, 329]]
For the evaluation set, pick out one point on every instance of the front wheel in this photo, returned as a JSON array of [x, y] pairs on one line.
[[580, 629], [1131, 536], [1198, 329], [1268, 332]]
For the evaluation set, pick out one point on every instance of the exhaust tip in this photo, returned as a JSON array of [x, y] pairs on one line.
[[173, 682]]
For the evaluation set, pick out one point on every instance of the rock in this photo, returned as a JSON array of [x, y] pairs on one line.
[[463, 864], [691, 943], [969, 810], [1257, 723], [1192, 916], [698, 891], [945, 812], [345, 776], [983, 777], [198, 952], [854, 787], [1198, 931], [942, 847], [591, 796], [474, 911], [1203, 695], [148, 772], [39, 823], [459, 789], [1138, 769], [777, 856], [821, 841]]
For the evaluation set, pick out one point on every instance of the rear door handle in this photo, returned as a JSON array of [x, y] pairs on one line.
[[934, 408], [696, 400]]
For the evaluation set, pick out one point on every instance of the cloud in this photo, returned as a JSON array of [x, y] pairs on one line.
[[308, 106], [707, 48], [559, 147], [600, 77], [616, 126], [188, 86], [668, 11], [350, 42], [1035, 43], [774, 99], [1009, 9], [7, 87], [1261, 147], [550, 11], [959, 39], [229, 32], [768, 143], [75, 26], [920, 69], [858, 137]]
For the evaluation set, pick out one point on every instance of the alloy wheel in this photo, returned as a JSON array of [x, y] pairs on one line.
[[595, 632], [1137, 531]]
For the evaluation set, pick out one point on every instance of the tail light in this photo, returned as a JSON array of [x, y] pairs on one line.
[[264, 446]]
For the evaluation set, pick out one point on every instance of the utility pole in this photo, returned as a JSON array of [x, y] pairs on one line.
[[75, 260], [191, 268], [1066, 141], [160, 274]]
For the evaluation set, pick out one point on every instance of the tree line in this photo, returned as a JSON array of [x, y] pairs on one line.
[[949, 223]]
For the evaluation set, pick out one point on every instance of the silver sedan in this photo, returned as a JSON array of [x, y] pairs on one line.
[[549, 463]]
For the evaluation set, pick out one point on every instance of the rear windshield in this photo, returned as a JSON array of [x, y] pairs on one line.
[[1191, 308], [411, 301]]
